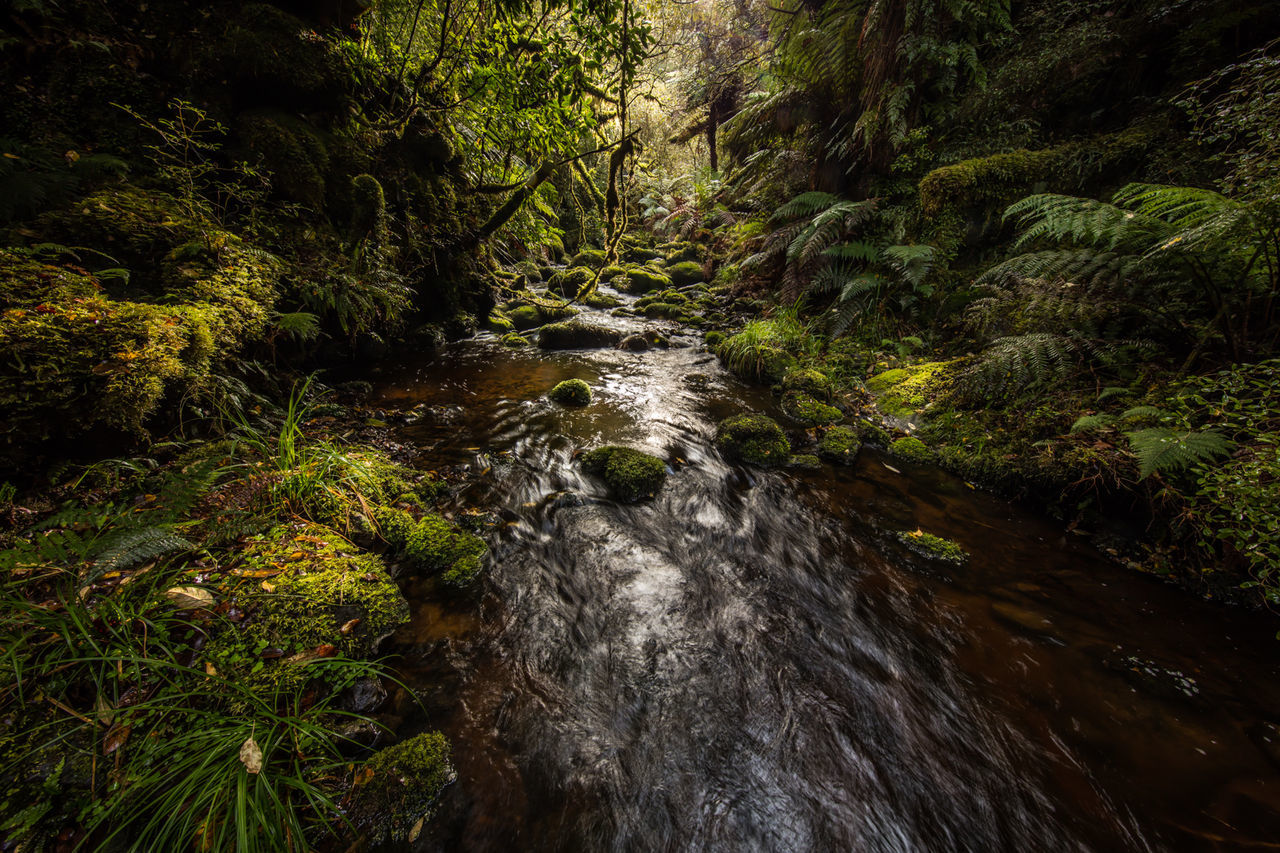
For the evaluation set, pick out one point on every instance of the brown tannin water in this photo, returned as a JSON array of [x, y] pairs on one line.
[[750, 661]]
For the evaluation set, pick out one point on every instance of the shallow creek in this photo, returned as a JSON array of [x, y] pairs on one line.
[[750, 662]]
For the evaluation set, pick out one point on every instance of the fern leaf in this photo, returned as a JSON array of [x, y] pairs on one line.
[[1088, 422], [134, 547], [1165, 451]]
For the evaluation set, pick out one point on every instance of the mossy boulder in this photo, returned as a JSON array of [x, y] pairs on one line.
[[634, 343], [911, 448], [680, 253], [525, 317], [804, 461], [800, 407], [570, 282], [434, 544], [593, 259], [575, 334], [514, 341], [713, 340], [663, 311], [596, 299], [398, 787], [905, 391], [571, 392], [808, 381], [839, 444], [531, 271], [755, 362], [753, 438], [933, 547], [644, 280], [498, 323], [630, 474], [321, 586], [686, 272]]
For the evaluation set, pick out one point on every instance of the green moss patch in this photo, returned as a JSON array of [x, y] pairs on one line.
[[630, 475], [571, 392], [575, 334], [644, 280], [685, 272], [933, 547], [904, 391], [808, 381], [398, 787], [799, 406], [753, 438], [435, 544], [911, 448], [839, 444]]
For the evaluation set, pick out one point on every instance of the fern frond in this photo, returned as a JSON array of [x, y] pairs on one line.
[[803, 206], [1088, 422], [1166, 451], [135, 546]]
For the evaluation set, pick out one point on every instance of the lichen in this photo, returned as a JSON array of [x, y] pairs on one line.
[[753, 438], [571, 392], [630, 474]]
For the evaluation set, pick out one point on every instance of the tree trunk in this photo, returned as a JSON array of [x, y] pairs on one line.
[[712, 121]]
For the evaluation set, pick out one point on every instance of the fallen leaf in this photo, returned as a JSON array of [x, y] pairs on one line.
[[347, 628], [115, 738], [255, 573], [268, 586], [210, 670], [251, 755], [417, 829], [189, 597], [104, 710]]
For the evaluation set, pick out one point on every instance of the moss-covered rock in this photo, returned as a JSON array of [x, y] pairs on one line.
[[318, 585], [663, 311], [799, 406], [514, 341], [911, 448], [686, 272], [713, 339], [933, 547], [808, 381], [525, 317], [435, 544], [630, 474], [570, 282], [398, 787], [805, 461], [593, 259], [575, 334], [596, 299], [755, 362], [904, 391], [839, 444], [571, 392], [679, 253], [753, 438], [643, 280], [498, 323]]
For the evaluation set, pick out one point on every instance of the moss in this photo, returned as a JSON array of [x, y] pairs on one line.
[[434, 544], [839, 444], [806, 461], [643, 280], [753, 361], [808, 381], [499, 323], [596, 299], [683, 253], [399, 786], [662, 311], [571, 392], [574, 334], [913, 449], [753, 438], [609, 273], [570, 282], [531, 271], [195, 297], [630, 475], [686, 272], [323, 585], [805, 409], [904, 391], [368, 209], [933, 547], [513, 341], [592, 258], [713, 339], [525, 317]]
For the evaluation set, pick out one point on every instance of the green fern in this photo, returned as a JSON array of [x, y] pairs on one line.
[[133, 547], [1163, 451]]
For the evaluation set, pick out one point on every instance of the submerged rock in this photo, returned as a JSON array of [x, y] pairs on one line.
[[634, 343], [630, 474], [753, 438], [575, 334], [933, 547], [571, 392]]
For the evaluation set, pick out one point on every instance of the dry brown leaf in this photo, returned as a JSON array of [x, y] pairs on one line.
[[251, 755], [189, 597], [115, 738]]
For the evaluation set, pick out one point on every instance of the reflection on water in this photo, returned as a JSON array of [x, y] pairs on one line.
[[748, 662]]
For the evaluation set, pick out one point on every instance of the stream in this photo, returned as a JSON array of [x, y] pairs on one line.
[[750, 661]]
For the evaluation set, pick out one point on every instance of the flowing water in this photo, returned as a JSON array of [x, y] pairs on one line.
[[751, 662]]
